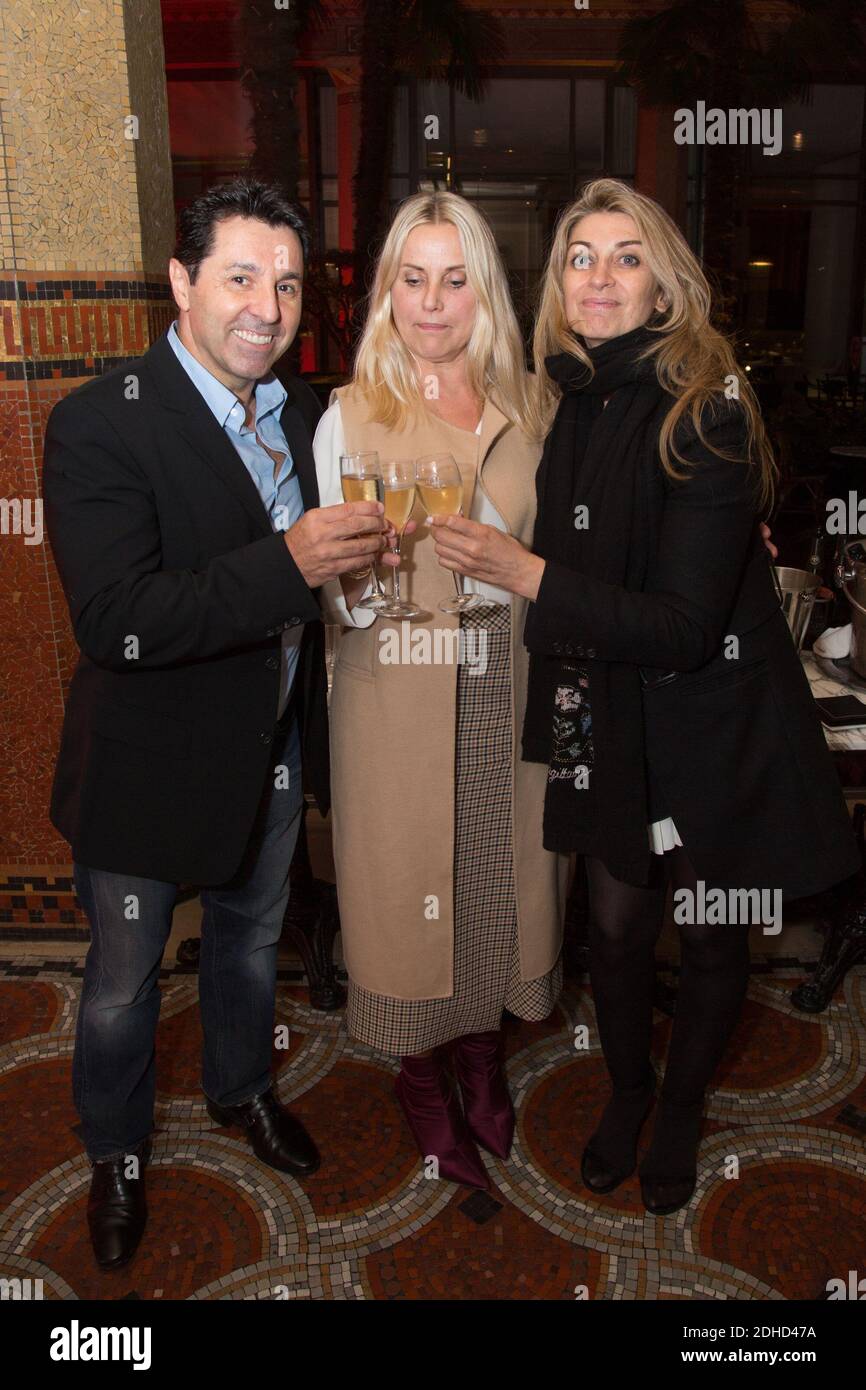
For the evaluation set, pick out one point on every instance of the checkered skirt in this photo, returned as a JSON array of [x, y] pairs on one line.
[[486, 952]]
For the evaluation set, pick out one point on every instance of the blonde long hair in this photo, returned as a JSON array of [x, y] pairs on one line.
[[692, 359], [385, 370]]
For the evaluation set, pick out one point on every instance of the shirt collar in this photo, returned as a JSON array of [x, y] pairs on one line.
[[269, 392]]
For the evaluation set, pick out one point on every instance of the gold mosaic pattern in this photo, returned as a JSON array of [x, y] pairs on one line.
[[74, 191], [78, 326]]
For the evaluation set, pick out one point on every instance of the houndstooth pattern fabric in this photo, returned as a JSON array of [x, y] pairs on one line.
[[486, 948]]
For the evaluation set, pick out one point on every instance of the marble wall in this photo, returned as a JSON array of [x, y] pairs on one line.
[[86, 229]]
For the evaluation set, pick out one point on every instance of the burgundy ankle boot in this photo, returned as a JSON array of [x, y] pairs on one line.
[[436, 1120], [486, 1102]]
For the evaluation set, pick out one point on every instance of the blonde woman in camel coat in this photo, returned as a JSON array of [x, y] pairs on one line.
[[451, 909]]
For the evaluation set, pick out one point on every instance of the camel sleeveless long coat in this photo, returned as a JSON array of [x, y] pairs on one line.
[[393, 741]]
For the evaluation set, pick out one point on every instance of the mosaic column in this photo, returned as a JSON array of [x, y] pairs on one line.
[[86, 229]]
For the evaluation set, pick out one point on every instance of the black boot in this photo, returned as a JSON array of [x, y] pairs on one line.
[[713, 980], [669, 1170], [623, 926], [610, 1155], [116, 1208]]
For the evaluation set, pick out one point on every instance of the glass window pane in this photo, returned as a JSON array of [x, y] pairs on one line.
[[828, 288], [589, 124], [400, 134], [520, 126], [622, 153], [802, 192], [818, 137], [328, 129], [434, 127], [775, 282], [519, 227], [208, 119], [796, 287], [331, 221]]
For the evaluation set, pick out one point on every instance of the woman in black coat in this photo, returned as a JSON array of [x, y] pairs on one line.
[[665, 693]]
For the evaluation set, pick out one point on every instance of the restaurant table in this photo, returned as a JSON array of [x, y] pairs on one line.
[[849, 451], [845, 939]]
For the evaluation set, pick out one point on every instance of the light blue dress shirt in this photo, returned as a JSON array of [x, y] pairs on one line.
[[281, 497]]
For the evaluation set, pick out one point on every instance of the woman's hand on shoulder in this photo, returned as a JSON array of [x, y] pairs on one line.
[[766, 535]]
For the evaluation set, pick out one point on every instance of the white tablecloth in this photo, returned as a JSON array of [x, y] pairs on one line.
[[840, 740]]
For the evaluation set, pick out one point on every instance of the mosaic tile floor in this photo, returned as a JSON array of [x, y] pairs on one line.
[[789, 1103]]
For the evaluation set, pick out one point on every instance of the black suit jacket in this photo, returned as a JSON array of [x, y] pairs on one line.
[[178, 591]]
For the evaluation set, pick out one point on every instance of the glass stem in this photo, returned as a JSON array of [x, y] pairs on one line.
[[395, 573], [457, 585]]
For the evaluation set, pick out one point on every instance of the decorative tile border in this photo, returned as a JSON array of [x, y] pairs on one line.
[[65, 326], [101, 287], [29, 899]]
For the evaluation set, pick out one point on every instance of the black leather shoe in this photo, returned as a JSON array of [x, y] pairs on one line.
[[116, 1208], [276, 1137]]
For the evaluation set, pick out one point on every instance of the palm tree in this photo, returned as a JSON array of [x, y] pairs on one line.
[[695, 50], [268, 46], [442, 39]]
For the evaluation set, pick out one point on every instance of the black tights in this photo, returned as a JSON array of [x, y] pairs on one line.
[[624, 925]]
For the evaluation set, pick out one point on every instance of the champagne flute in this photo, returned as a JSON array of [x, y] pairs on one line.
[[361, 481], [398, 478], [440, 488]]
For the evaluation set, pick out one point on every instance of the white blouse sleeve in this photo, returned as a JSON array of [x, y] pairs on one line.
[[483, 510], [328, 444]]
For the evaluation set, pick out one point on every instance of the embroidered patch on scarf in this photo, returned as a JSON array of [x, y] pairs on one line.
[[571, 756]]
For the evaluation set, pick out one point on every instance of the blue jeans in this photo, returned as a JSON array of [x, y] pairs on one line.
[[113, 1070]]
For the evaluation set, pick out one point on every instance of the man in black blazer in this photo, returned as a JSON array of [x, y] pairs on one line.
[[182, 509]]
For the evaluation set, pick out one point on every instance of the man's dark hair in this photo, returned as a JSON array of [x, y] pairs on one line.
[[242, 197]]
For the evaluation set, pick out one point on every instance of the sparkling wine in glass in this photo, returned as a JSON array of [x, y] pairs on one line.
[[361, 481], [398, 478], [440, 488]]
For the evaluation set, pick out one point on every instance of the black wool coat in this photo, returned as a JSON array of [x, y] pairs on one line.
[[735, 751]]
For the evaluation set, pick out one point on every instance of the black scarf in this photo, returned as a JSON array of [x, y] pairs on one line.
[[601, 458]]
